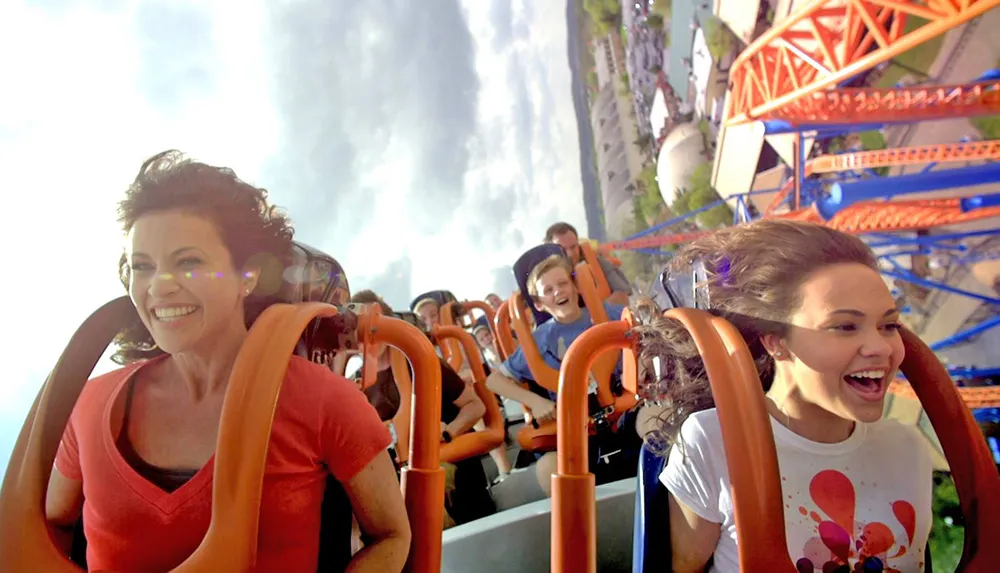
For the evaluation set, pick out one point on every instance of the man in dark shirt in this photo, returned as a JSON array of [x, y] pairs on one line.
[[461, 408]]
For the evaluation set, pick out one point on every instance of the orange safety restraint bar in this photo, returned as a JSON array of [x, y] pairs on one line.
[[504, 336], [472, 444], [230, 543], [750, 452], [597, 272], [451, 349]]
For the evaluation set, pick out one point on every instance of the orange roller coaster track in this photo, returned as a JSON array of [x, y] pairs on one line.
[[974, 397], [819, 46], [862, 217], [874, 105], [918, 155]]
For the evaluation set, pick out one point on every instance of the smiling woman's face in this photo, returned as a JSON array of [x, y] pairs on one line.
[[844, 342], [183, 282]]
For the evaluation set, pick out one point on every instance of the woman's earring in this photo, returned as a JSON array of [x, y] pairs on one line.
[[779, 354]]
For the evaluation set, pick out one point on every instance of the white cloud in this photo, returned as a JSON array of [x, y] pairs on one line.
[[75, 124]]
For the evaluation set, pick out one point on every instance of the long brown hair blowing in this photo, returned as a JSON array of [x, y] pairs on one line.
[[754, 272]]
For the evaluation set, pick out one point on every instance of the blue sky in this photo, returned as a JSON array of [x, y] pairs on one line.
[[423, 144]]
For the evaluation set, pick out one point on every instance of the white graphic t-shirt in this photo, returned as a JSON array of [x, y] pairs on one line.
[[864, 499]]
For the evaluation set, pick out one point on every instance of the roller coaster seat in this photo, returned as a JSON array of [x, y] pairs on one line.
[[651, 543], [651, 537], [441, 297], [522, 268], [313, 276], [545, 376]]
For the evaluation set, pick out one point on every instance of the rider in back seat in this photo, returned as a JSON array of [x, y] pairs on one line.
[[461, 408], [552, 289], [564, 235]]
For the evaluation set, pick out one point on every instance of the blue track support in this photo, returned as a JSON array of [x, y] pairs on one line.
[[845, 194], [912, 278], [692, 214], [654, 252], [961, 372], [676, 220], [966, 334], [979, 202], [932, 240], [911, 253], [780, 126]]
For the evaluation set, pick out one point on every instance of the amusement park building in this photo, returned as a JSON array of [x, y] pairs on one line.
[[619, 159]]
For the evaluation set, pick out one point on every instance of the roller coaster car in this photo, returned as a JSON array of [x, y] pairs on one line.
[[230, 542], [651, 551], [542, 438]]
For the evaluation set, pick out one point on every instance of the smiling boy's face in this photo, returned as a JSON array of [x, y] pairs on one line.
[[557, 295]]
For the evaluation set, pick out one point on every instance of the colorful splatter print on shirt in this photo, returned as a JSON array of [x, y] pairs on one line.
[[861, 505]]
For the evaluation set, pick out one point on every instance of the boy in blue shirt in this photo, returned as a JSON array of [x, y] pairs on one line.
[[552, 290]]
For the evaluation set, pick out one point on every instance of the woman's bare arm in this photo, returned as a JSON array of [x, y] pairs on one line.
[[378, 506], [692, 538], [470, 410], [63, 507]]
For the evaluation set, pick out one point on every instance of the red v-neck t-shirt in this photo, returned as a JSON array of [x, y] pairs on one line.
[[322, 425]]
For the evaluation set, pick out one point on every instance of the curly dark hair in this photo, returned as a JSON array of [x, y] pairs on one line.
[[256, 233], [754, 272]]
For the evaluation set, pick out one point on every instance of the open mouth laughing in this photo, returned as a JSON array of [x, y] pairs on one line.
[[869, 383]]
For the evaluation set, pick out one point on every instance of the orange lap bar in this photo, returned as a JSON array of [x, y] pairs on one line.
[[750, 451], [230, 542], [487, 310], [504, 336], [472, 444], [597, 272]]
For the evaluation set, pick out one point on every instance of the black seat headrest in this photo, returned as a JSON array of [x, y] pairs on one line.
[[441, 297], [522, 268], [314, 276]]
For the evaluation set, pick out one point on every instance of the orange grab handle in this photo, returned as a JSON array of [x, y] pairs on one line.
[[487, 310], [972, 466], [471, 444], [423, 479], [231, 540], [450, 348], [24, 539], [747, 440], [540, 439], [600, 281], [746, 433], [504, 337], [605, 363], [401, 421], [574, 513], [546, 376]]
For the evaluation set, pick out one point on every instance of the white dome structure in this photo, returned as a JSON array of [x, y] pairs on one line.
[[683, 150]]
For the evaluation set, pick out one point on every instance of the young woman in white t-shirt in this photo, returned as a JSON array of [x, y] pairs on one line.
[[824, 331]]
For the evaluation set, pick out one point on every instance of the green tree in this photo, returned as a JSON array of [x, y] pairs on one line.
[[606, 14], [721, 41], [636, 266], [662, 8], [947, 537], [655, 21], [644, 141], [701, 194]]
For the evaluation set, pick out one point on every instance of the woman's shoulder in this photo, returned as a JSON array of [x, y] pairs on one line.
[[303, 373], [892, 435], [702, 425]]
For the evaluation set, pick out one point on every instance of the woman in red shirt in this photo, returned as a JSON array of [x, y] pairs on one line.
[[203, 252]]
